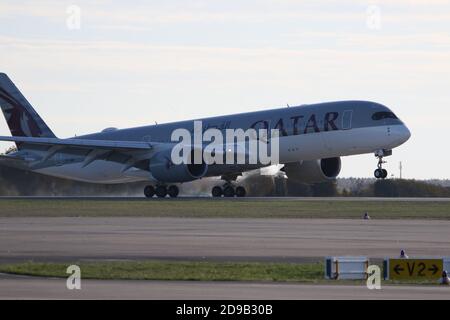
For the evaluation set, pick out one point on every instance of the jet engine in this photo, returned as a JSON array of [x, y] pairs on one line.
[[313, 171], [164, 170]]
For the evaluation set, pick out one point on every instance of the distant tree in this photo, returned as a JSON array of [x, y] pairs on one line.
[[345, 193], [408, 188], [16, 182]]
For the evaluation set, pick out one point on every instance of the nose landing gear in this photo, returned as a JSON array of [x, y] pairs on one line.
[[381, 173]]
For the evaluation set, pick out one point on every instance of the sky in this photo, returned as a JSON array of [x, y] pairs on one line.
[[92, 64]]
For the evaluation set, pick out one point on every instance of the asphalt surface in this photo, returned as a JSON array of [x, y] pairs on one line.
[[296, 240], [41, 288], [72, 238]]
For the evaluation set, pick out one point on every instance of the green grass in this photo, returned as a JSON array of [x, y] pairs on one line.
[[214, 208], [312, 273], [161, 270]]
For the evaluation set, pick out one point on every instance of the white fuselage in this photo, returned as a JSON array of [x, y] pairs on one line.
[[292, 148]]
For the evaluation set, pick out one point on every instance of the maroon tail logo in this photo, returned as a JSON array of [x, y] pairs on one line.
[[20, 121]]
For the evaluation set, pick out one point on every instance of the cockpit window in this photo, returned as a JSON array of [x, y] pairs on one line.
[[383, 115]]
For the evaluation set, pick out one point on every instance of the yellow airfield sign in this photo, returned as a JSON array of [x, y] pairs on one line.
[[415, 268]]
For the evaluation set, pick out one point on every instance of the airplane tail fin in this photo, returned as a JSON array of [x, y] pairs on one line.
[[22, 119]]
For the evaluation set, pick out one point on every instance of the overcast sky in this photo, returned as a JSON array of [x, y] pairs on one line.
[[133, 63]]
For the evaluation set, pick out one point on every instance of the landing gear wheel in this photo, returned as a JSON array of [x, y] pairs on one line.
[[173, 191], [149, 191], [378, 173], [228, 192], [161, 191], [381, 173], [216, 192], [240, 191]]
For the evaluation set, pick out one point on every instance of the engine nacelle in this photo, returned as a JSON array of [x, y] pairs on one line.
[[163, 170], [313, 171]]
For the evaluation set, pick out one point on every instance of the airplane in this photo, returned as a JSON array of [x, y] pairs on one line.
[[311, 141]]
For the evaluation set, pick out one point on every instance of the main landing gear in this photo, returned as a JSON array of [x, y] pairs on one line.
[[161, 191], [381, 173], [228, 190]]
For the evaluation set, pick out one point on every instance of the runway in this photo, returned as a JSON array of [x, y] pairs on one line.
[[83, 238], [72, 239], [39, 288]]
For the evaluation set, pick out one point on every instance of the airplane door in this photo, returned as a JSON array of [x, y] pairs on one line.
[[347, 120]]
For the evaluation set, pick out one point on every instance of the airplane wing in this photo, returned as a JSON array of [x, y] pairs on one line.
[[129, 153], [83, 143]]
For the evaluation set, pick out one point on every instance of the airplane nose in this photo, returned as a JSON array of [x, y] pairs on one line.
[[407, 133], [401, 133]]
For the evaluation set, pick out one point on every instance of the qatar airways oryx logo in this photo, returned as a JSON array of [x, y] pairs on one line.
[[237, 146]]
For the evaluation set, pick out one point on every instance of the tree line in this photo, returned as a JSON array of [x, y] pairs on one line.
[[16, 182]]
